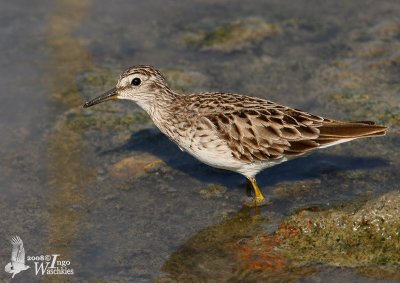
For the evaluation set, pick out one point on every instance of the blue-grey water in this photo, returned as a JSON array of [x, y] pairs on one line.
[[106, 191]]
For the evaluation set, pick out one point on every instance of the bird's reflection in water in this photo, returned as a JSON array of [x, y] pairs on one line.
[[240, 248]]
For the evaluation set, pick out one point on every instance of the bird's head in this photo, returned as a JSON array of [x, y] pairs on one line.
[[141, 84]]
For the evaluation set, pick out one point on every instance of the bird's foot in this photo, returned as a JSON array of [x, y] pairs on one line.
[[255, 201], [258, 199]]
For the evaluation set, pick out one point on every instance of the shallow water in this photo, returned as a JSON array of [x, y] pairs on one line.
[[108, 192]]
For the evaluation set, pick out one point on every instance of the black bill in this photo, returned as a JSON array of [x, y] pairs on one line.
[[111, 94]]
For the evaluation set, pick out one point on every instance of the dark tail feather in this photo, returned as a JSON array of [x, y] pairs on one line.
[[336, 130]]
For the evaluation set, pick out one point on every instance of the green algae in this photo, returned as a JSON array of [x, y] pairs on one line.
[[211, 191], [358, 103], [364, 81], [97, 78], [233, 36], [391, 116], [106, 119], [184, 80], [365, 236]]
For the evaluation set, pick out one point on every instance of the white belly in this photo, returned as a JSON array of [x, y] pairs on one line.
[[216, 153]]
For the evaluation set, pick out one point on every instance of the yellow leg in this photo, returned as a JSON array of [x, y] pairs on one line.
[[259, 199]]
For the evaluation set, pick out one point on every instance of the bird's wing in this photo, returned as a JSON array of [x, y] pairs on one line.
[[257, 130], [18, 251], [267, 133], [274, 131]]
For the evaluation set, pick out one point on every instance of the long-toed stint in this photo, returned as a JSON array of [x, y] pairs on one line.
[[230, 131]]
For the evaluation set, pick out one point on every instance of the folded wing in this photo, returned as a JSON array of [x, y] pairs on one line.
[[270, 133]]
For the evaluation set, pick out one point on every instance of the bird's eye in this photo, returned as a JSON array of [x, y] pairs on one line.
[[136, 81]]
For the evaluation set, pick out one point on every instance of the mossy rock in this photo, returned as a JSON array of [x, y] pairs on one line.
[[367, 236]]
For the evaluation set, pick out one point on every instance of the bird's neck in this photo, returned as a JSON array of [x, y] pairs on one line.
[[163, 111], [153, 103], [163, 103]]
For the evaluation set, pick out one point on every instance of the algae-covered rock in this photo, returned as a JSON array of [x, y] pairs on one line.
[[367, 236], [233, 36]]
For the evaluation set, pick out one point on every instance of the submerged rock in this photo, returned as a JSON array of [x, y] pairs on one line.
[[234, 251], [135, 166]]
